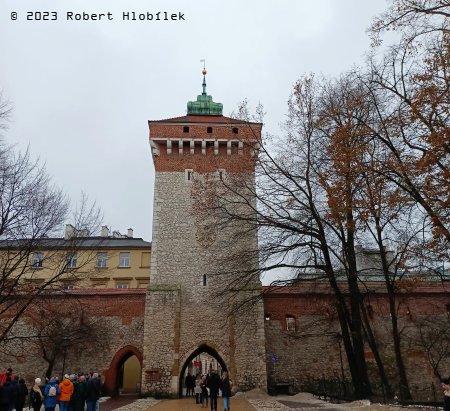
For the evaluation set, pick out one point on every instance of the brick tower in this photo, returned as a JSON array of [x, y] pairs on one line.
[[183, 317]]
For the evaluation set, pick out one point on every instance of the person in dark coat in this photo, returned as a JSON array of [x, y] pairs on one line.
[[92, 392], [225, 386], [11, 393], [36, 395], [4, 399], [78, 398], [22, 393], [213, 383]]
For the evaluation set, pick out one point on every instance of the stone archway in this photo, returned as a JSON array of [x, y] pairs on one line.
[[111, 384], [203, 348]]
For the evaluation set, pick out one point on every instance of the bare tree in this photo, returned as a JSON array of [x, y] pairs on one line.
[[32, 211]]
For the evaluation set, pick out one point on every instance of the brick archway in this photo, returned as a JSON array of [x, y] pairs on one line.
[[111, 384], [203, 348]]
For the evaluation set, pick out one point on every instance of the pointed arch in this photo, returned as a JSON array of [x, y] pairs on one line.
[[111, 384], [202, 348]]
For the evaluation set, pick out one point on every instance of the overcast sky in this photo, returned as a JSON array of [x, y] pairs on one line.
[[82, 91]]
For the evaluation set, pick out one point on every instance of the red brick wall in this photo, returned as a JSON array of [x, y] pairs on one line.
[[311, 352]]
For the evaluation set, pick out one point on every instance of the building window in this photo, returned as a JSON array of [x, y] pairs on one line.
[[185, 129], [235, 130], [221, 174], [124, 259], [68, 287], [204, 280], [290, 323], [72, 260], [267, 316], [37, 260], [102, 258], [122, 285], [189, 175], [209, 130]]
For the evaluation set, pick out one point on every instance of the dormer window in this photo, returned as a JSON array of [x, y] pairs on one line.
[[209, 130], [185, 129]]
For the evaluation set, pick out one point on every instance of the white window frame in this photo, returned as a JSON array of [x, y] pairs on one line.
[[102, 260], [291, 323], [72, 260], [122, 286], [37, 260], [124, 256]]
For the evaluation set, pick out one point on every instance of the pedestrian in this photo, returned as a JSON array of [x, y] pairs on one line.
[[204, 394], [14, 391], [66, 388], [187, 385], [51, 391], [36, 395], [92, 392], [22, 393], [78, 399], [198, 389], [446, 387], [225, 386], [213, 383], [9, 395], [4, 397]]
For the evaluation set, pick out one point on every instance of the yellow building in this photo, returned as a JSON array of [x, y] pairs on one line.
[[111, 260]]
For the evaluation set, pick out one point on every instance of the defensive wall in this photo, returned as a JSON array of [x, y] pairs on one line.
[[297, 357]]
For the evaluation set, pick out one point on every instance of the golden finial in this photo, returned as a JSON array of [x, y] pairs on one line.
[[204, 68]]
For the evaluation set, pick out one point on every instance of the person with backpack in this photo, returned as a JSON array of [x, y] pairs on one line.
[[36, 395], [50, 393]]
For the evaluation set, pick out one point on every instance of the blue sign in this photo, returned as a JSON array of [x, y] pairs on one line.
[[274, 358]]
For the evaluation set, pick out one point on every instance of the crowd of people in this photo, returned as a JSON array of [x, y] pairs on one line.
[[76, 392], [206, 388]]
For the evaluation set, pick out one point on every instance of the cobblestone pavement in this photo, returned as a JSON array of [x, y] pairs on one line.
[[143, 404], [259, 401]]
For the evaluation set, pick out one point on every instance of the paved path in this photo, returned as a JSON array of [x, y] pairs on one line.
[[188, 404], [258, 401]]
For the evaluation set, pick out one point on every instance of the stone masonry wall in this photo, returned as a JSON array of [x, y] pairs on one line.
[[116, 316], [179, 262], [314, 350]]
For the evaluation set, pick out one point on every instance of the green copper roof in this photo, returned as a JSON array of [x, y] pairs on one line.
[[204, 105]]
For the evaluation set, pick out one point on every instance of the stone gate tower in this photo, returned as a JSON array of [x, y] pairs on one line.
[[183, 316]]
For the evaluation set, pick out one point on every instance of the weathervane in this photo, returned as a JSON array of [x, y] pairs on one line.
[[204, 66], [204, 76]]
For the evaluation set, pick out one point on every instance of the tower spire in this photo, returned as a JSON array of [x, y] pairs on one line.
[[204, 104], [204, 77]]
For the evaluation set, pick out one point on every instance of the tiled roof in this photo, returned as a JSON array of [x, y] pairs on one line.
[[87, 242], [203, 119]]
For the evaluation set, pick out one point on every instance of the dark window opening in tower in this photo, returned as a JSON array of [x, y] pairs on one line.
[[204, 279], [209, 130], [235, 130], [185, 129]]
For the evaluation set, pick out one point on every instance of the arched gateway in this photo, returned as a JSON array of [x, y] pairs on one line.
[[188, 253], [112, 375], [199, 366]]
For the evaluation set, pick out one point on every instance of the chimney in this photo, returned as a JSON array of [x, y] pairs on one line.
[[130, 233], [70, 232], [105, 231]]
